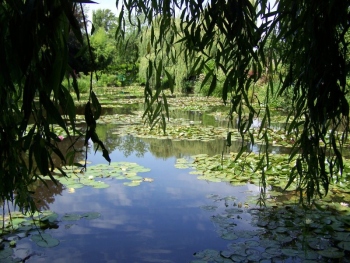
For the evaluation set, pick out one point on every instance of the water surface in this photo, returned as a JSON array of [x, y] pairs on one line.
[[162, 221]]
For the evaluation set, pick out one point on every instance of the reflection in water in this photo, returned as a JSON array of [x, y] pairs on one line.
[[122, 109], [156, 222], [205, 119], [44, 195], [129, 145], [160, 221], [166, 148]]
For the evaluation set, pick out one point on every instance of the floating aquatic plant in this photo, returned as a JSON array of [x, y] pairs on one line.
[[94, 175], [277, 234]]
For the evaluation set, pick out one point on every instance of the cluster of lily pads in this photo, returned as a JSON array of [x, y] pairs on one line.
[[179, 132], [194, 103], [107, 96], [78, 177], [181, 129], [284, 234], [18, 226], [114, 97], [112, 94], [225, 168], [283, 230]]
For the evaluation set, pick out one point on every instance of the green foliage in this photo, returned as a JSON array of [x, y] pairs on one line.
[[162, 51], [115, 59], [104, 19], [104, 49], [34, 62], [302, 43]]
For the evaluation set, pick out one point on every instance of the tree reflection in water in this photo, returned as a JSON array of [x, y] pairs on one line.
[[44, 192]]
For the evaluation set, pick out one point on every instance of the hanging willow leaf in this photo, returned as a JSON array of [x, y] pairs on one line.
[[67, 105], [96, 105], [92, 29], [212, 85], [228, 139], [41, 155], [166, 107], [52, 110], [89, 117]]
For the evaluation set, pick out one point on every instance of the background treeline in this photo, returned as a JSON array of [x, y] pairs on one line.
[[123, 61]]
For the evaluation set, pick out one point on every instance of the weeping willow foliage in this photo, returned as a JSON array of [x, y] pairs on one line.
[[34, 59], [302, 42], [169, 51]]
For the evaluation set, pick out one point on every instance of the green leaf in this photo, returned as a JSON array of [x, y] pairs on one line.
[[228, 139], [91, 215], [45, 240], [89, 117], [69, 106], [28, 138], [166, 106], [96, 105], [52, 111], [212, 85], [41, 155], [106, 155]]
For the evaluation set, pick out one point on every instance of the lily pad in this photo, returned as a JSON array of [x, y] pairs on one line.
[[49, 216], [74, 185], [71, 217], [132, 184], [181, 166], [6, 252], [253, 254], [290, 252], [342, 236], [274, 251], [331, 253], [45, 240], [209, 207], [238, 258], [90, 215], [344, 245], [99, 184], [229, 236], [118, 170]]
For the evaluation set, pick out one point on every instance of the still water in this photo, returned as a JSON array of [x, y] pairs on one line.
[[161, 221]]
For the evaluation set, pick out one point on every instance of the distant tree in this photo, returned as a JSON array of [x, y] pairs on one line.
[[104, 18], [127, 57], [104, 49]]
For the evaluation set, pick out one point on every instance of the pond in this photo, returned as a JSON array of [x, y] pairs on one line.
[[166, 220], [150, 206]]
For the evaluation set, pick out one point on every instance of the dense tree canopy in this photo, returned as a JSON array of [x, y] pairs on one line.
[[104, 18], [34, 61], [302, 43]]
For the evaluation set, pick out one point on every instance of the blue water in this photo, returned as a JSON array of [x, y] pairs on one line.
[[160, 221]]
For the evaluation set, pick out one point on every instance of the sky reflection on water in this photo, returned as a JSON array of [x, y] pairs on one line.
[[160, 221]]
